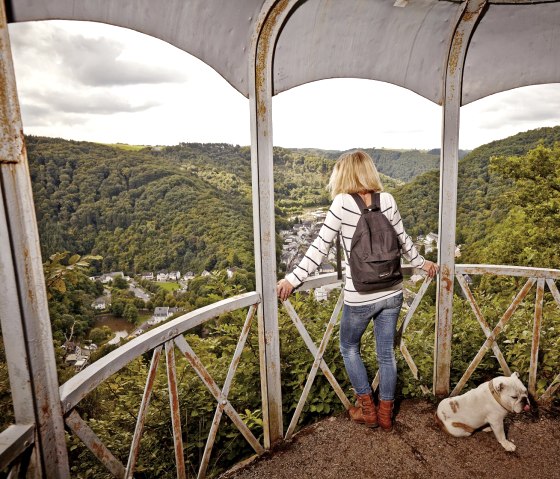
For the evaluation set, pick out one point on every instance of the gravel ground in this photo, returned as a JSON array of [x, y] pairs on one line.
[[416, 448]]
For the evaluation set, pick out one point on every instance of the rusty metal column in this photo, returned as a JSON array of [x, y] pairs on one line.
[[448, 191], [20, 247], [271, 18]]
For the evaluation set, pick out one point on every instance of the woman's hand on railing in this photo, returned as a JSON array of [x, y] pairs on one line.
[[283, 289], [431, 268]]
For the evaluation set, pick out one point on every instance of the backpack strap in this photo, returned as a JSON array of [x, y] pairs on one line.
[[358, 199], [375, 202]]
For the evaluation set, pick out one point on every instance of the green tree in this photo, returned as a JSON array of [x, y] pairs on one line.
[[120, 283], [130, 313]]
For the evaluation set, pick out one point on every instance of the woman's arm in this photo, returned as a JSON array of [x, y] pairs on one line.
[[316, 253], [408, 250]]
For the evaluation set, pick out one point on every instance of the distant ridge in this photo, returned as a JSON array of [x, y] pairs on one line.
[[482, 202]]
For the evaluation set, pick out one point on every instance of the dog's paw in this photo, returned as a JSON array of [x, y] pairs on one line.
[[508, 445]]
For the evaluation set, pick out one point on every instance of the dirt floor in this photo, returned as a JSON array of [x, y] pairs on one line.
[[416, 448]]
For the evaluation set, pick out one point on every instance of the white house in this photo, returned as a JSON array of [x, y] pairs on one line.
[[161, 276], [321, 294], [205, 273], [174, 276], [100, 303], [148, 276], [161, 312], [188, 276]]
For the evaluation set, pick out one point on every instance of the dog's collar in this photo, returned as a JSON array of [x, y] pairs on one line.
[[496, 396]]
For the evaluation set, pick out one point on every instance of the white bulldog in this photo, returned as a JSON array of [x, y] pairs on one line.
[[489, 404]]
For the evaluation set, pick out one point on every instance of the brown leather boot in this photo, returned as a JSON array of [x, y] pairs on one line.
[[364, 413], [384, 415]]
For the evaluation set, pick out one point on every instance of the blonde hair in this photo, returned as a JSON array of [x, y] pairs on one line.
[[354, 172]]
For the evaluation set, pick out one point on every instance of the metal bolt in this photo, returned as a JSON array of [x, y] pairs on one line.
[[224, 402]]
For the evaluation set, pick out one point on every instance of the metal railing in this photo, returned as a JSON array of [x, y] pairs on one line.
[[15, 441], [535, 275], [541, 277], [168, 336]]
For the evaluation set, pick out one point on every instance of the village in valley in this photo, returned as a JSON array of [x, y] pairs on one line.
[[78, 354], [295, 243], [297, 240]]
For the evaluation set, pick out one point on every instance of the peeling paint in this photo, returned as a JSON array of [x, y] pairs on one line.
[[266, 43], [455, 53]]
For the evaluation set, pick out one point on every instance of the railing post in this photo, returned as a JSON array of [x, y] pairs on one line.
[[25, 316], [448, 191], [272, 16]]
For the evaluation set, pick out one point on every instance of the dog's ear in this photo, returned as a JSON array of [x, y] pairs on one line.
[[515, 375]]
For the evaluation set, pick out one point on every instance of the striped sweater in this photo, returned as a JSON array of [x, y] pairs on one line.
[[343, 215]]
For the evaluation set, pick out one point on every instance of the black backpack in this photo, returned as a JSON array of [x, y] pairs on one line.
[[375, 259]]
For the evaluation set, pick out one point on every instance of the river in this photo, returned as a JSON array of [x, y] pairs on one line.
[[119, 326]]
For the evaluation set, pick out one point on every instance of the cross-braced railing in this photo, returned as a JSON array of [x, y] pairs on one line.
[[318, 351], [163, 340], [541, 277]]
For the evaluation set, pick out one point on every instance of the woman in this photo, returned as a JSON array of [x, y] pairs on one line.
[[355, 172]]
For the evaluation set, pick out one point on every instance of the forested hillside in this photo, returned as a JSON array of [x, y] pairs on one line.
[[508, 208], [140, 210], [188, 206], [185, 207]]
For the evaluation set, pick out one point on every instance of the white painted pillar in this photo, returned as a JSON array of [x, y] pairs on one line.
[[472, 11], [24, 309]]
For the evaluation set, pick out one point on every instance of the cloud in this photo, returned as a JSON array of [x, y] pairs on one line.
[[96, 103], [524, 106], [87, 60]]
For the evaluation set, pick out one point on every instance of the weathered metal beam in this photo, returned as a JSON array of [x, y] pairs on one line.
[[135, 445], [417, 298], [13, 330], [536, 337], [14, 441], [497, 330], [547, 395], [273, 14], [554, 291], [225, 392], [23, 243], [483, 324], [315, 366], [94, 444], [399, 337], [209, 382], [471, 12], [174, 407], [332, 278], [77, 387], [504, 270], [313, 350]]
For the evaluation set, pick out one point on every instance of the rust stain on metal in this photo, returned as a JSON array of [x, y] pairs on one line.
[[175, 414], [28, 275], [455, 53], [536, 337], [264, 45], [472, 15], [446, 278]]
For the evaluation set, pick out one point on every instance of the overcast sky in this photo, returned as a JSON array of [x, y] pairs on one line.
[[87, 81]]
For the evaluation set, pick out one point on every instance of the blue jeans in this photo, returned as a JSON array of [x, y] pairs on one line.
[[353, 324]]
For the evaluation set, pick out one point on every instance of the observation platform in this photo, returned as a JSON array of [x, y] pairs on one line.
[[416, 448]]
